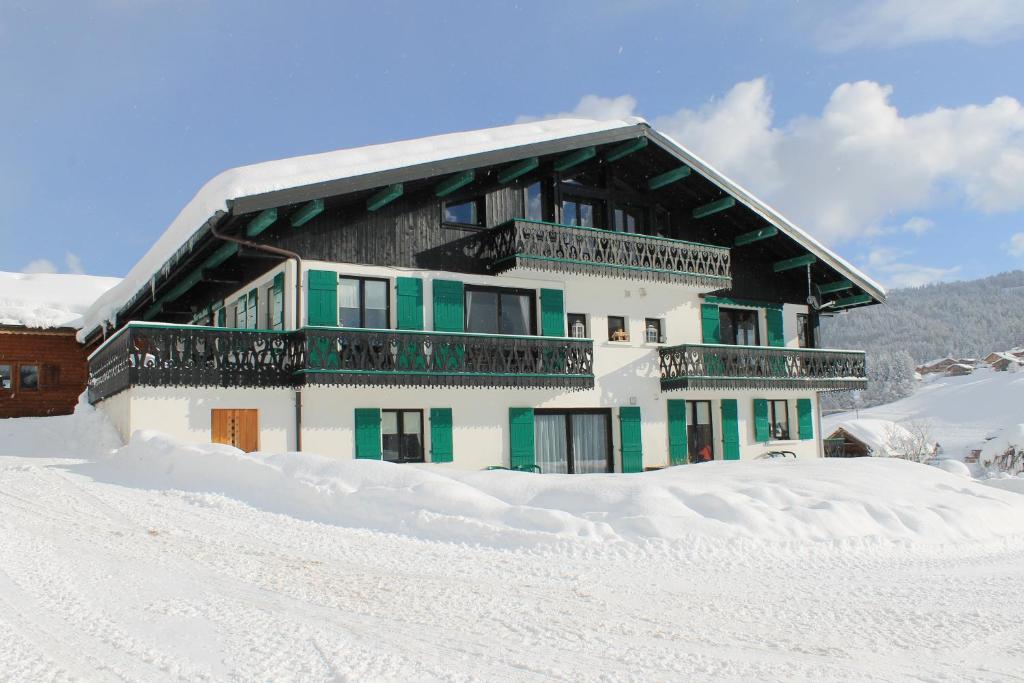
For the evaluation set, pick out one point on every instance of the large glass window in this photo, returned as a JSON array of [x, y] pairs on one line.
[[402, 435], [739, 326], [534, 202], [363, 302], [5, 377], [466, 212], [491, 310], [573, 441], [778, 415], [699, 431], [587, 213], [628, 218], [28, 377]]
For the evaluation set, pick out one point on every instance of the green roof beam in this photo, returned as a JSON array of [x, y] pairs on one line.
[[714, 207], [306, 213], [838, 286], [855, 300], [264, 220], [454, 182], [385, 196], [795, 262], [668, 177], [520, 168], [625, 149], [756, 236], [576, 158]]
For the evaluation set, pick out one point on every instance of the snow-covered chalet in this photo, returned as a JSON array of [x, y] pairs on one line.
[[565, 296]]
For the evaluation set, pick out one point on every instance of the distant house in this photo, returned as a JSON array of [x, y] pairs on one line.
[[993, 357], [866, 437], [43, 368], [938, 365], [958, 369], [1005, 361]]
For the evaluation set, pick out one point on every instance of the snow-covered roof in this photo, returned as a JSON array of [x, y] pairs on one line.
[[877, 434], [44, 300], [271, 177]]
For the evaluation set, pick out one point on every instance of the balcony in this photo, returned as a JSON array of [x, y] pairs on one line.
[[565, 248], [189, 356], [712, 366]]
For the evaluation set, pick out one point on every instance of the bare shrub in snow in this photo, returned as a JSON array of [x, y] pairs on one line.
[[910, 441]]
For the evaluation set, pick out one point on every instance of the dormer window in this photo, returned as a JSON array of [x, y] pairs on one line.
[[464, 212]]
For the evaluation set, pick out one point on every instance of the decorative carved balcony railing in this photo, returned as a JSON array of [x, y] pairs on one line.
[[398, 357], [706, 366], [566, 248], [189, 356]]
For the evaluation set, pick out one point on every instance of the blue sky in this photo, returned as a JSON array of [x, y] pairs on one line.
[[891, 129]]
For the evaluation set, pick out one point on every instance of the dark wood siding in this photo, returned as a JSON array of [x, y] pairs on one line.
[[62, 368]]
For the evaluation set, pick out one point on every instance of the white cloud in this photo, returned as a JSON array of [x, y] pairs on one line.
[[894, 23], [74, 263], [918, 225], [593, 107], [886, 263], [1016, 245], [40, 266]]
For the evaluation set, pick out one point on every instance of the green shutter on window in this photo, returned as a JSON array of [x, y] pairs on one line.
[[521, 439], [410, 303], [776, 333], [630, 442], [322, 298], [677, 448], [368, 433], [762, 432], [448, 306], [710, 324], [730, 430], [250, 314], [277, 302], [552, 312], [441, 449], [805, 418]]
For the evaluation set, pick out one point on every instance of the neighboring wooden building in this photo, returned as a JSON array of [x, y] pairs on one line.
[[43, 367]]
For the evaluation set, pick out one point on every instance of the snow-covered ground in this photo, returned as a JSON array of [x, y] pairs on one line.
[[960, 411], [161, 562]]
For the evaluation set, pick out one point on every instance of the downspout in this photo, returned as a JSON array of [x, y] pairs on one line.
[[215, 231]]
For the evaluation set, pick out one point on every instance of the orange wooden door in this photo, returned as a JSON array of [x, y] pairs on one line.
[[238, 427]]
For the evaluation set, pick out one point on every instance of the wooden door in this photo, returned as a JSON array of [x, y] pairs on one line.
[[238, 427]]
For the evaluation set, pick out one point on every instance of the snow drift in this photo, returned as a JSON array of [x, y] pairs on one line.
[[823, 500], [44, 300]]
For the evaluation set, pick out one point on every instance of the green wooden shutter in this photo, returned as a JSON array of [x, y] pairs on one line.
[[368, 433], [776, 334], [410, 303], [762, 433], [730, 430], [630, 442], [710, 323], [277, 303], [322, 298], [251, 316], [441, 449], [805, 418], [677, 447], [552, 312], [521, 445], [449, 313]]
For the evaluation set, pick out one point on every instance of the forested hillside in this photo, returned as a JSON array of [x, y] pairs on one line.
[[959, 318]]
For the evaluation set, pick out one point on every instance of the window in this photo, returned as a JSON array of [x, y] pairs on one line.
[[465, 212], [534, 202], [628, 218], [363, 302], [28, 377], [402, 435], [587, 213], [494, 310], [577, 325], [699, 431], [807, 329], [778, 416], [573, 441], [5, 377], [653, 333], [617, 328], [739, 326]]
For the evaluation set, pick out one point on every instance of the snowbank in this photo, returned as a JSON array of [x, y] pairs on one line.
[[833, 500], [42, 300]]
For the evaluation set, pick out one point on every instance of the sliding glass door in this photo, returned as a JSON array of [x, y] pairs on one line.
[[699, 431], [573, 441]]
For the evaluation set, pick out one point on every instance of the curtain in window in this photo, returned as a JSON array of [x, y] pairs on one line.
[[515, 314], [552, 452], [590, 443], [348, 303]]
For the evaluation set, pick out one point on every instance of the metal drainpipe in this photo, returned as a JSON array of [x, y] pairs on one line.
[[298, 305]]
